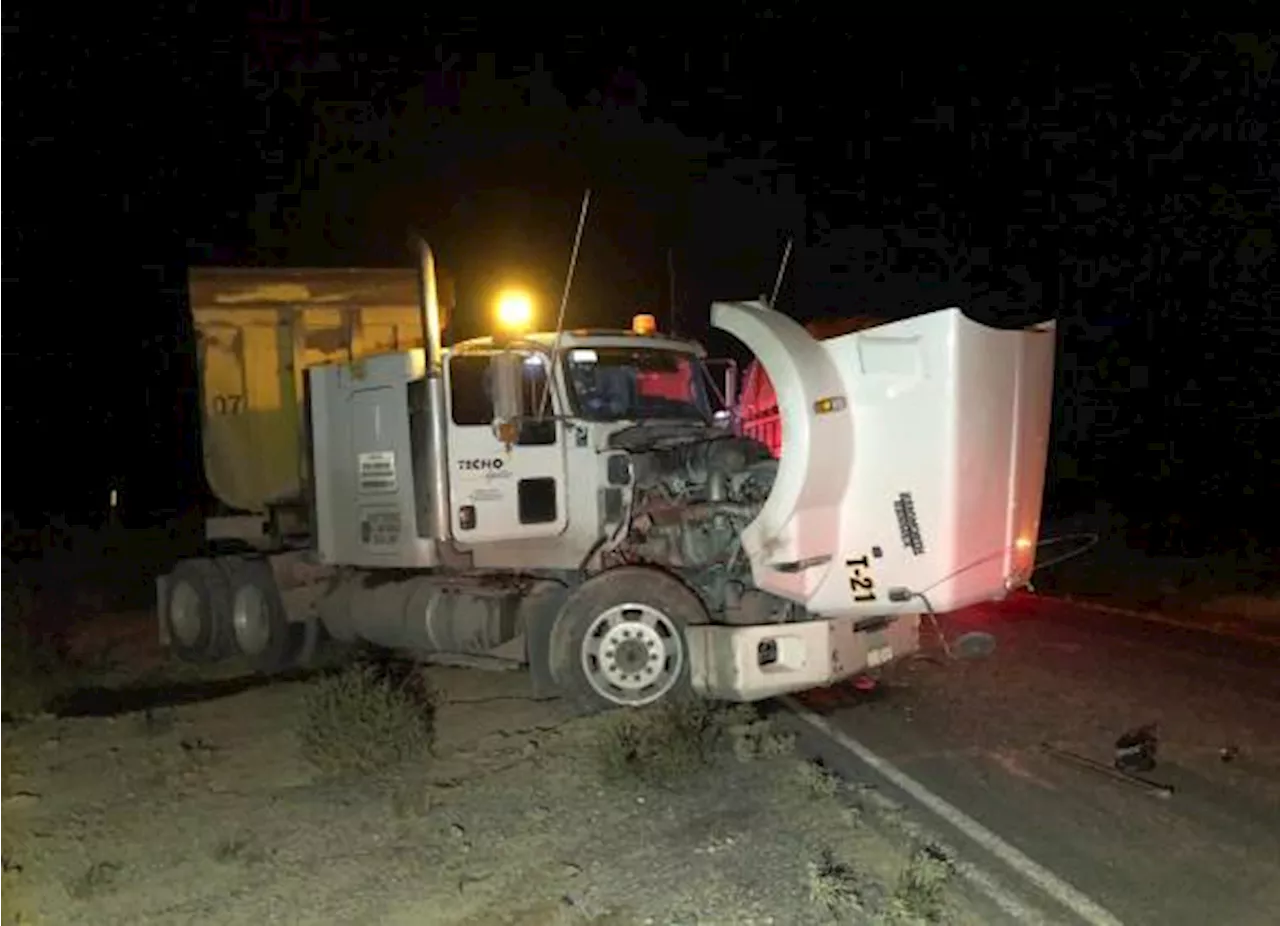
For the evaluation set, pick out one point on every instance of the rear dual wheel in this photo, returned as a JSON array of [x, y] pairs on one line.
[[198, 610], [260, 629], [231, 607]]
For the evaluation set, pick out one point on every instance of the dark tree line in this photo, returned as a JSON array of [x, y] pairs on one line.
[[1124, 186]]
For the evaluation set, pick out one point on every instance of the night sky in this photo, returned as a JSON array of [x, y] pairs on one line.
[[1119, 175]]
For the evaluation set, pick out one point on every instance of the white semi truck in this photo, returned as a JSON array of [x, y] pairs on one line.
[[566, 500]]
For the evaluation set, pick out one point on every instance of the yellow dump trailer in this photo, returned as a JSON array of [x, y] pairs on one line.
[[257, 330]]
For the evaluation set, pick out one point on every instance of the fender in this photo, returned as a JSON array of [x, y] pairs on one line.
[[791, 542]]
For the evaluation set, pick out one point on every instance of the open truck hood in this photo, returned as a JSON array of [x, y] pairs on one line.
[[913, 460]]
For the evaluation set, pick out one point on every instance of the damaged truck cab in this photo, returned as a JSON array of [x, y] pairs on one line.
[[566, 500]]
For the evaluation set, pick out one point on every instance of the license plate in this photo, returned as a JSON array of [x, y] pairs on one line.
[[879, 655]]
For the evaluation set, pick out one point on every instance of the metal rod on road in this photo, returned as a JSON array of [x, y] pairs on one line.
[[1154, 788]]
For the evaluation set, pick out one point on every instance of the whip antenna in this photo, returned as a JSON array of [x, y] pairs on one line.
[[782, 271], [564, 301]]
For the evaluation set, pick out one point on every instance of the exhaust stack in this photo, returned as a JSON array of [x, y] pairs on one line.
[[437, 462]]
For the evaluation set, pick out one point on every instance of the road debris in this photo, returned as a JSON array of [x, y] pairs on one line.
[[1136, 749], [1154, 788], [975, 645]]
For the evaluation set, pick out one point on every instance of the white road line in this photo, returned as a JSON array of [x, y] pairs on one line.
[[1067, 895], [998, 895], [1018, 911]]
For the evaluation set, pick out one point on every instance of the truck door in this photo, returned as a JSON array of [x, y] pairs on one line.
[[498, 493]]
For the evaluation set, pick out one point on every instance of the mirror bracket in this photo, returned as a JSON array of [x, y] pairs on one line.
[[506, 371]]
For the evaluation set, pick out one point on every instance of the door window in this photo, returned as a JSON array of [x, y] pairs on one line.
[[472, 398]]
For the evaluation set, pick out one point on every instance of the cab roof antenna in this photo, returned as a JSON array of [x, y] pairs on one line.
[[564, 300], [782, 270], [671, 289]]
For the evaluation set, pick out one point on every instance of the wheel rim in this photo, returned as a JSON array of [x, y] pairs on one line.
[[632, 654], [251, 620], [186, 614]]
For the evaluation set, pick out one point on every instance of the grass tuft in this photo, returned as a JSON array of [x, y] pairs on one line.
[[834, 888], [368, 719], [672, 741], [10, 869], [755, 737], [816, 780], [662, 744], [37, 669], [240, 848], [97, 879], [919, 896]]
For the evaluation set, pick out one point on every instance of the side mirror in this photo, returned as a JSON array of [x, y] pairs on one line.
[[506, 372]]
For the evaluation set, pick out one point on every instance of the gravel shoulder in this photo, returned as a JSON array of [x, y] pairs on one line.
[[206, 813]]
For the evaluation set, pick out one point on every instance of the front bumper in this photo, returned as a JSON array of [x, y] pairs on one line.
[[768, 660]]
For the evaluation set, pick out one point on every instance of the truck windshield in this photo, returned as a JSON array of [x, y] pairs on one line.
[[636, 384]]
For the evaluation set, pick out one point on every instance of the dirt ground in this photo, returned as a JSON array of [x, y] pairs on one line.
[[207, 813]]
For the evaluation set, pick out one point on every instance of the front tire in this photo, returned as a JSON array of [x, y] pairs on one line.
[[619, 640]]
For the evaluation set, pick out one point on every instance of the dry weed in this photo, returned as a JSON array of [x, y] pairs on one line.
[[241, 848], [98, 878], [835, 888], [410, 799], [17, 600], [10, 869], [15, 909], [671, 741], [368, 719], [756, 737], [7, 770], [36, 667], [919, 897], [664, 744], [816, 780]]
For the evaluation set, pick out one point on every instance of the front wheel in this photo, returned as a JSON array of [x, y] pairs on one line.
[[619, 640]]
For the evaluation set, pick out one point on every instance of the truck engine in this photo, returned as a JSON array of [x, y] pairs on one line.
[[692, 500]]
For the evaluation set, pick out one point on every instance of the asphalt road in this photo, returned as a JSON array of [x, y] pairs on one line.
[[973, 733]]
